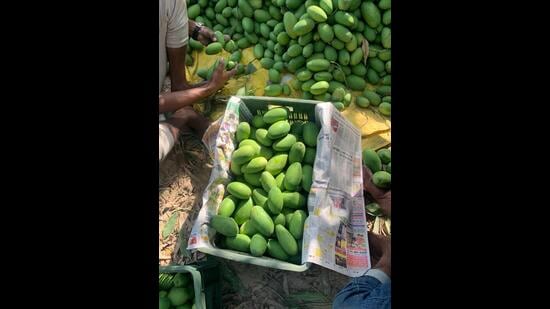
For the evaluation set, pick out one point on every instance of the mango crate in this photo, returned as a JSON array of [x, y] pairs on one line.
[[300, 110], [206, 282]]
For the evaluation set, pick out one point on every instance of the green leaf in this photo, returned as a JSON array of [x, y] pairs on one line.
[[170, 224], [373, 209]]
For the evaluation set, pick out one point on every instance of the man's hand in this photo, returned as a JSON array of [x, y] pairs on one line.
[[381, 252], [206, 36], [383, 198], [220, 76], [191, 86]]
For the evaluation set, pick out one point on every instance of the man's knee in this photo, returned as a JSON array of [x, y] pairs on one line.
[[166, 140], [187, 119]]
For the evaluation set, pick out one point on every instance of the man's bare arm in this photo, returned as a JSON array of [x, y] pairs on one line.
[[170, 102], [176, 58]]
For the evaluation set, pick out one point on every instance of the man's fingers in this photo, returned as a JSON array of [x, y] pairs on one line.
[[367, 175], [366, 172], [378, 243], [374, 240], [369, 186], [232, 72], [221, 65], [204, 40]]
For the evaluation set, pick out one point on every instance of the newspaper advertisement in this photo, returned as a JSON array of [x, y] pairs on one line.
[[335, 232]]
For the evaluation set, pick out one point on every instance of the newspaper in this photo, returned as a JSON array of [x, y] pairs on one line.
[[335, 232]]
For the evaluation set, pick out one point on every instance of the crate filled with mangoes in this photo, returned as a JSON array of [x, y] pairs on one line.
[[265, 208]]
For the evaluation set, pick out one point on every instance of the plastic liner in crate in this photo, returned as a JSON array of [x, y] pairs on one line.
[[206, 282], [221, 147]]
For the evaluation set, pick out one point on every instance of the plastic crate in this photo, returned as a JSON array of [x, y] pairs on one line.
[[300, 110], [206, 282]]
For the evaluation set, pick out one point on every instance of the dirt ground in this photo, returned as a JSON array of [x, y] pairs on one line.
[[250, 286], [183, 176]]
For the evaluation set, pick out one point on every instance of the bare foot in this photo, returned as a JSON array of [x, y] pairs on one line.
[[381, 252]]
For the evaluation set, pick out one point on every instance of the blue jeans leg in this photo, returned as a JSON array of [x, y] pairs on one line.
[[364, 292]]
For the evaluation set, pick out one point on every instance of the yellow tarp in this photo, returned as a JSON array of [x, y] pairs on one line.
[[375, 128]]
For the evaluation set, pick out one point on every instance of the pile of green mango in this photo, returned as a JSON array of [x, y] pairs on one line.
[[320, 41], [176, 291], [379, 163], [265, 208]]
